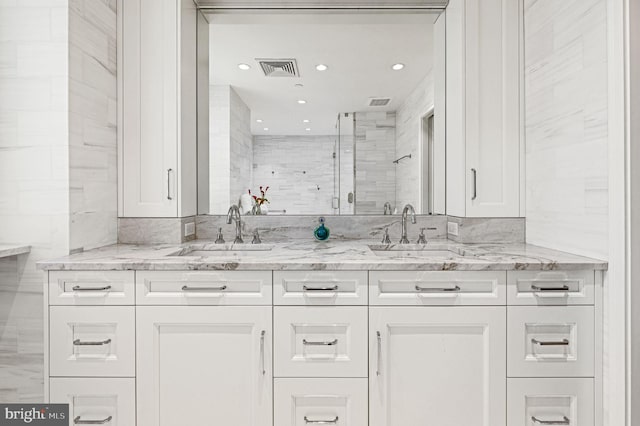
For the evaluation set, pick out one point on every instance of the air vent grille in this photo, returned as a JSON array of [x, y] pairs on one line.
[[279, 67], [379, 102]]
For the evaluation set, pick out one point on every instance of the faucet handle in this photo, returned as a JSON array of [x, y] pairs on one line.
[[385, 238], [422, 239], [256, 238], [220, 239]]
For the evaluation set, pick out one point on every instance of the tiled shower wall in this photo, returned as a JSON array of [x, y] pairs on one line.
[[566, 125], [57, 138], [299, 171]]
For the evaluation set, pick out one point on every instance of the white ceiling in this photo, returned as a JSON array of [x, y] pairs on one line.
[[358, 48]]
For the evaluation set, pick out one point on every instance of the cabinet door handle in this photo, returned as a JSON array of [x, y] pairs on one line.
[[474, 174], [536, 287], [187, 288], [333, 288], [262, 365], [321, 422], [438, 290], [563, 342], [79, 342], [323, 343], [78, 288], [169, 197], [564, 421], [379, 347], [79, 421]]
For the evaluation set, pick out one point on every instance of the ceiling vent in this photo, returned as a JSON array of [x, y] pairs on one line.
[[279, 67], [379, 102]]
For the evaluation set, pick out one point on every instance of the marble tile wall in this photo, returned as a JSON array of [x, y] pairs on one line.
[[488, 230], [153, 230], [299, 171], [375, 141], [241, 147], [566, 125], [408, 137]]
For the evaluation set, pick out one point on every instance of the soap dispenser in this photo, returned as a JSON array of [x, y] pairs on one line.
[[321, 232]]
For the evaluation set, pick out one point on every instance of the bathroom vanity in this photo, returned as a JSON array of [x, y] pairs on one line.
[[345, 333]]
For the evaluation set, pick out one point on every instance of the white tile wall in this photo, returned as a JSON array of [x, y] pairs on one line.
[[566, 125]]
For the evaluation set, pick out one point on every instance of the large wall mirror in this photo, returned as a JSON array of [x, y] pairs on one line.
[[335, 112]]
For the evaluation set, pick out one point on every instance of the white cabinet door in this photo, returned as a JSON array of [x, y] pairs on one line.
[[437, 366], [483, 108], [201, 365]]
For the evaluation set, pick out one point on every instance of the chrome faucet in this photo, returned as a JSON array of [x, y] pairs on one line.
[[387, 208], [234, 214], [407, 209]]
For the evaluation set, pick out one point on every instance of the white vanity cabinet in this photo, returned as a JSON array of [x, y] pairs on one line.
[[483, 108]]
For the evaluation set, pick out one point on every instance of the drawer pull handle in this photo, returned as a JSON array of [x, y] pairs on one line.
[[333, 288], [187, 288], [321, 422], [564, 421], [379, 339], [438, 290], [325, 343], [79, 342], [563, 342], [79, 421], [536, 287], [262, 368], [78, 288]]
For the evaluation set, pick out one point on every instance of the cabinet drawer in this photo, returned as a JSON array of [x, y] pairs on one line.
[[98, 401], [550, 341], [308, 402], [91, 288], [320, 288], [550, 287], [203, 288], [92, 341], [534, 402], [322, 341], [437, 288]]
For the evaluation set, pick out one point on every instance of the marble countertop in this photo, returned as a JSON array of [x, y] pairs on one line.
[[7, 250], [443, 255]]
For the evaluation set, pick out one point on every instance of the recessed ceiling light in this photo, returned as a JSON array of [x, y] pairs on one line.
[[397, 67], [308, 129], [258, 121], [322, 67], [266, 129], [302, 101], [244, 67], [305, 121]]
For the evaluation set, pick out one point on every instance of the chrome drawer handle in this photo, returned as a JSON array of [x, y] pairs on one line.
[[379, 339], [79, 421], [564, 421], [334, 288], [325, 343], [563, 342], [535, 287], [78, 288], [321, 422], [187, 288], [262, 367], [438, 290], [79, 342]]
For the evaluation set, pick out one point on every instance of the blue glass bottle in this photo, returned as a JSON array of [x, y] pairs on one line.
[[321, 232]]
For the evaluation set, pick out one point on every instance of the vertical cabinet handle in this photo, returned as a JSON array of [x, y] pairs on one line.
[[262, 366], [379, 339], [169, 197], [474, 174]]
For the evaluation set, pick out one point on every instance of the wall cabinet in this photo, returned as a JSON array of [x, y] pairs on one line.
[[158, 108], [431, 347], [483, 108]]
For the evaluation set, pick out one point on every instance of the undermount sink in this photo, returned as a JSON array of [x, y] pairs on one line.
[[415, 250], [221, 250]]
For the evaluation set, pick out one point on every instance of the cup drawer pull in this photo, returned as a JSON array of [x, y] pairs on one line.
[[79, 342], [187, 288], [564, 421], [79, 421], [322, 343], [454, 289], [563, 342], [321, 422], [332, 288], [78, 288], [536, 287]]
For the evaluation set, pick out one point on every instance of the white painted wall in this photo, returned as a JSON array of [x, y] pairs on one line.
[[566, 125]]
